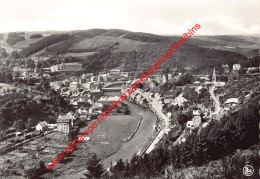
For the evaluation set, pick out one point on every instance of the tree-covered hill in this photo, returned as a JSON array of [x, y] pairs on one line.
[[120, 48]]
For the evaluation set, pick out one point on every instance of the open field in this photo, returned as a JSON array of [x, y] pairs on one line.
[[119, 44], [115, 128], [143, 134], [94, 43], [108, 136], [83, 54], [25, 43], [236, 43]]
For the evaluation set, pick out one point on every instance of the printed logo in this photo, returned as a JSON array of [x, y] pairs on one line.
[[248, 170]]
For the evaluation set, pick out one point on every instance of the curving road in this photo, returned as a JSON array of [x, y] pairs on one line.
[[217, 103]]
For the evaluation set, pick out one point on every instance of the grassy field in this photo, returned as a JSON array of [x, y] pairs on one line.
[[99, 42], [25, 43], [94, 43], [83, 54], [115, 128], [108, 136], [235, 43]]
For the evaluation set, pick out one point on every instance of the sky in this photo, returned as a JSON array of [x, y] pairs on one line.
[[216, 17]]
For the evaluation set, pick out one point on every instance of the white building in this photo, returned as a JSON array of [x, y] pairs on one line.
[[236, 67], [66, 67], [42, 126], [230, 103]]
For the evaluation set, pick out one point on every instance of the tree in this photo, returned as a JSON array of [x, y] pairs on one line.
[[182, 119], [40, 70], [100, 88], [134, 166], [147, 166], [166, 71], [16, 74], [72, 135], [119, 169], [137, 75], [15, 55], [29, 63], [3, 52], [19, 125], [160, 159], [242, 63], [31, 123], [37, 170], [95, 167]]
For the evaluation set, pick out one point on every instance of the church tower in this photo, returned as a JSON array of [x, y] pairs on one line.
[[214, 79]]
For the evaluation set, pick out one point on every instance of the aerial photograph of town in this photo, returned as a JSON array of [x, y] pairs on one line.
[[129, 89]]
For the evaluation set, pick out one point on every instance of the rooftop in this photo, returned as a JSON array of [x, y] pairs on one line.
[[63, 120], [107, 98], [43, 124], [75, 63], [232, 100]]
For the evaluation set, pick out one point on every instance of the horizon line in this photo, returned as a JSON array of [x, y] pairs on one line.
[[37, 31]]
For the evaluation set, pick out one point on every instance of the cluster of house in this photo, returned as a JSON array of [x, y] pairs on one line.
[[28, 73], [203, 112], [78, 95], [158, 79], [69, 121], [197, 116], [237, 67], [65, 123], [145, 98], [82, 94], [63, 67], [44, 126], [114, 74]]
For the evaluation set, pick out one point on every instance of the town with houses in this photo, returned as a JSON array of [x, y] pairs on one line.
[[129, 89], [85, 94], [184, 120], [81, 91]]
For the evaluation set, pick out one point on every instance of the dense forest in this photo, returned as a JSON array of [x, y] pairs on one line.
[[45, 42], [14, 37], [17, 107], [36, 36]]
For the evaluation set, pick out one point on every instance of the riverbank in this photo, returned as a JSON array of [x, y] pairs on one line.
[[155, 105]]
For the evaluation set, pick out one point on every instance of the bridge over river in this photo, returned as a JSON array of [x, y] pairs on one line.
[[111, 89], [114, 86]]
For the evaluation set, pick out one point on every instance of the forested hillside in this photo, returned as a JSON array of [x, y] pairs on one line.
[[101, 49], [224, 145], [14, 37]]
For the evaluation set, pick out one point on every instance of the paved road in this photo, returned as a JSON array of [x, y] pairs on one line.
[[165, 126], [217, 103]]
